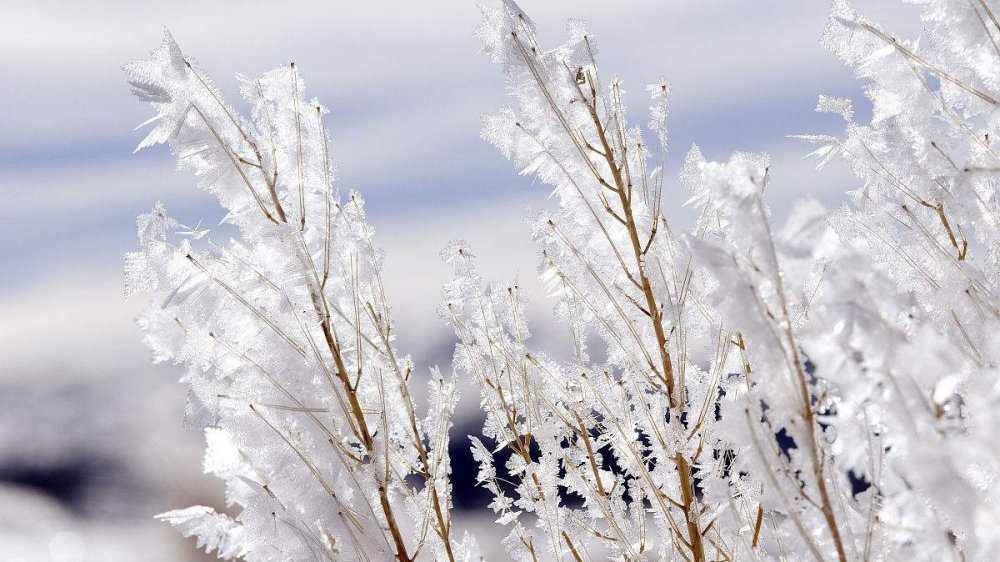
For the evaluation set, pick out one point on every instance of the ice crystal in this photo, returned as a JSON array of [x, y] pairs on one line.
[[821, 389]]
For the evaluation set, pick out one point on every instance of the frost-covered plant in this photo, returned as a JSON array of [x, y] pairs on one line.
[[914, 361], [286, 335], [641, 435], [825, 390], [762, 392]]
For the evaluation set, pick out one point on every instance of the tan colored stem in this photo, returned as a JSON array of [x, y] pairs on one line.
[[656, 315], [365, 436]]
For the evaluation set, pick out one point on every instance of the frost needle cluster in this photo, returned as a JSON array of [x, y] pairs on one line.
[[823, 389]]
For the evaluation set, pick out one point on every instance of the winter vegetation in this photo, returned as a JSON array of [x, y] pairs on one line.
[[824, 389]]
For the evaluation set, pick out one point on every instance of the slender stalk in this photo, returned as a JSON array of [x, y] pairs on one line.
[[365, 435], [940, 72], [655, 313], [808, 413]]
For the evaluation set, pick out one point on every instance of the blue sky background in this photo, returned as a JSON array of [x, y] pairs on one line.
[[406, 85]]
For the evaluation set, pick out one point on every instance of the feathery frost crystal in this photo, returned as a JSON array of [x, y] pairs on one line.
[[286, 336], [824, 389]]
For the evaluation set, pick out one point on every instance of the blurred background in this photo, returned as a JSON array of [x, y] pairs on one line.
[[91, 445]]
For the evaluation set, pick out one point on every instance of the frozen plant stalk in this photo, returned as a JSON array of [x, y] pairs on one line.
[[817, 391], [821, 390], [286, 335]]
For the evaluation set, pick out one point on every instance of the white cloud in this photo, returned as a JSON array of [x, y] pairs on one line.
[[53, 192], [69, 89], [73, 323]]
